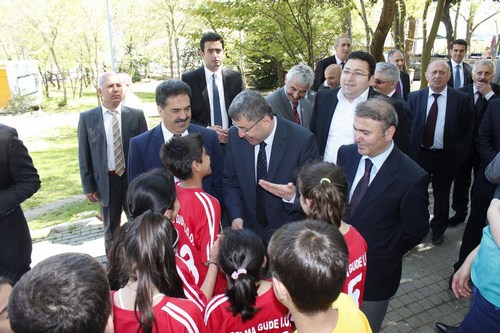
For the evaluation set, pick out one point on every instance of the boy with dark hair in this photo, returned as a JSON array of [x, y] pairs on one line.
[[198, 221], [314, 251], [66, 293]]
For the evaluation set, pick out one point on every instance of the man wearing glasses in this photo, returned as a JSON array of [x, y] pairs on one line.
[[333, 113], [262, 155]]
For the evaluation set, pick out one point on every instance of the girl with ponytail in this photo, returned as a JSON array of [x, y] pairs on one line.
[[249, 303], [323, 194]]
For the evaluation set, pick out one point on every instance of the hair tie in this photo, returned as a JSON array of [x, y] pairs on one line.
[[325, 180], [237, 273]]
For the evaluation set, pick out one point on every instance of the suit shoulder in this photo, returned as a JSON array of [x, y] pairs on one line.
[[230, 72], [192, 73]]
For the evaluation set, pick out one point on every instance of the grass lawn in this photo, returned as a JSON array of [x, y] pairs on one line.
[[55, 155]]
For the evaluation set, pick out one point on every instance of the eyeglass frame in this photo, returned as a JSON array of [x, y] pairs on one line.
[[347, 72], [246, 130]]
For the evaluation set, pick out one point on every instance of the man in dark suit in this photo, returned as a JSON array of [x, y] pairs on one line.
[[403, 88], [18, 181], [388, 201], [333, 111], [173, 100], [209, 81], [480, 93], [440, 134], [460, 70], [262, 155], [288, 102], [386, 79], [104, 134], [342, 48], [488, 146]]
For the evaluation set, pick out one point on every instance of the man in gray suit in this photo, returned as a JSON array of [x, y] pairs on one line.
[[104, 134], [288, 102]]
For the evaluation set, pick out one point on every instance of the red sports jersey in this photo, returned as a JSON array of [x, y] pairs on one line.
[[198, 224], [272, 317], [354, 284], [191, 290], [171, 314]]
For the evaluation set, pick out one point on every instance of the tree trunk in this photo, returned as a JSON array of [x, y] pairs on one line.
[[424, 24], [446, 19], [426, 53], [383, 27], [399, 25], [366, 25], [63, 77], [410, 37]]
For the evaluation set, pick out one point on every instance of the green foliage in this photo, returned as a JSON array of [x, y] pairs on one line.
[[290, 32], [263, 74], [20, 104]]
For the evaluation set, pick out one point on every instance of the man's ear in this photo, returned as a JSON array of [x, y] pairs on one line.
[[200, 53]]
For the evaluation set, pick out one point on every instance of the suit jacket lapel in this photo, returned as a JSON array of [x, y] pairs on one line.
[[286, 104], [202, 86]]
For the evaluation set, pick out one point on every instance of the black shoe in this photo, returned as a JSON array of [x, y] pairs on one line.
[[437, 239], [445, 328], [457, 219], [450, 281]]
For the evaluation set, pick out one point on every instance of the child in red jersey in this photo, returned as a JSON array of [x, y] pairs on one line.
[[198, 221], [249, 304], [323, 193], [153, 299]]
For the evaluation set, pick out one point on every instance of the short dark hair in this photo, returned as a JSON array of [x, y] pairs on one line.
[[380, 109], [178, 154], [210, 37], [366, 57], [171, 88], [459, 42], [68, 292], [325, 185], [242, 249], [312, 251], [251, 105]]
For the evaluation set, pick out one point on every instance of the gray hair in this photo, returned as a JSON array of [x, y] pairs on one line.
[[486, 62], [389, 70], [100, 80], [303, 73], [251, 105], [337, 40], [393, 52], [379, 109]]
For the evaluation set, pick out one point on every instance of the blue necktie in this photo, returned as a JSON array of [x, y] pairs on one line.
[[261, 174], [217, 110], [458, 81]]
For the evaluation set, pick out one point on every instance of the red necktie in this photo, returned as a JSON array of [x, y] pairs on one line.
[[430, 124], [296, 112]]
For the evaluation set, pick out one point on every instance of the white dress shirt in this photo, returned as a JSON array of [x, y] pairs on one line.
[[210, 91]]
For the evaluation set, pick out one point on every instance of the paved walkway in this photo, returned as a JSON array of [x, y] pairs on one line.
[[422, 299]]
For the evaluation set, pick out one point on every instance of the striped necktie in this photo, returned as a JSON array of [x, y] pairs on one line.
[[117, 145]]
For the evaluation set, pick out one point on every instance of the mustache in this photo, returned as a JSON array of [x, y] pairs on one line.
[[181, 120]]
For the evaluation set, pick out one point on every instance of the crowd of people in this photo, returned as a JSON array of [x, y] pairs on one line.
[[270, 214]]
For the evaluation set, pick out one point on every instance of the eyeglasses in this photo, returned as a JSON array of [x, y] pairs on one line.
[[246, 130], [357, 74], [377, 81]]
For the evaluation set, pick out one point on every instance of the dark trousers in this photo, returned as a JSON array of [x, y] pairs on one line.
[[462, 182], [433, 161], [482, 193], [111, 214]]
